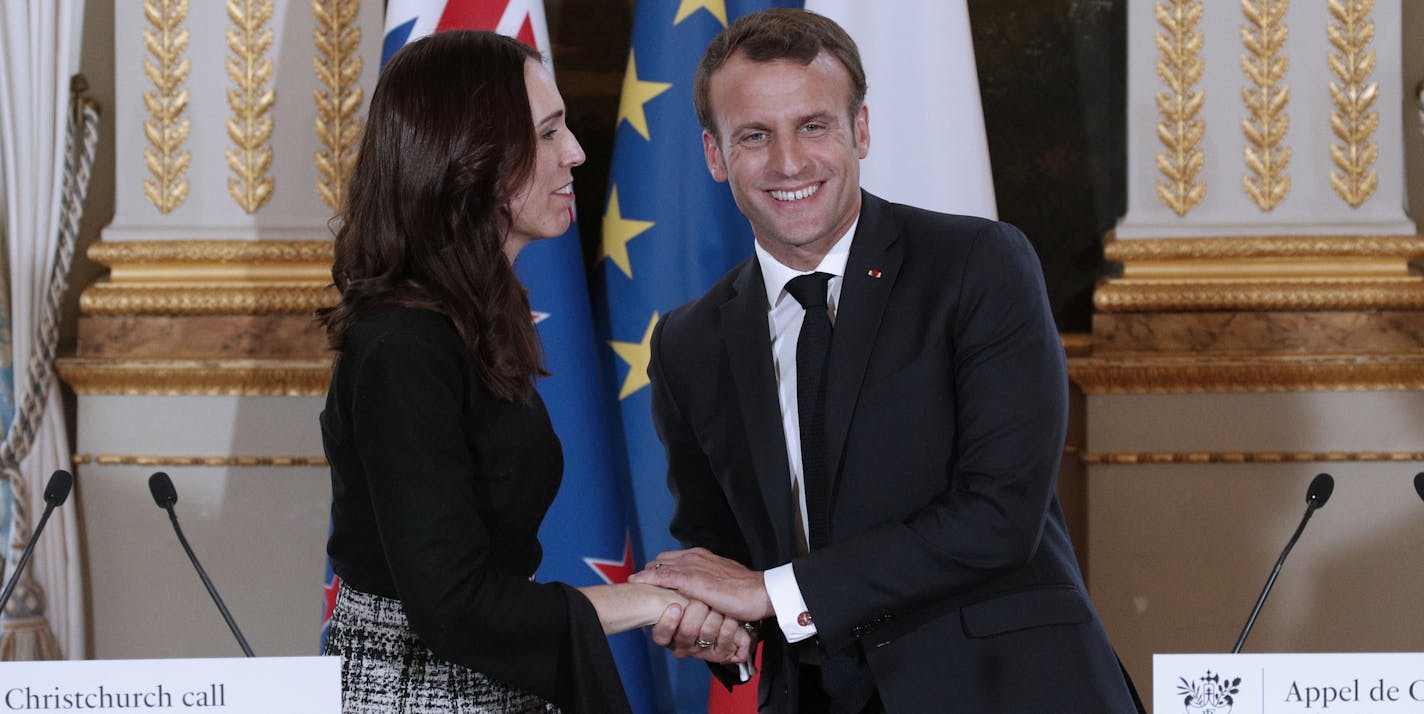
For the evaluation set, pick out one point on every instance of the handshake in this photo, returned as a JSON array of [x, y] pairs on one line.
[[721, 605]]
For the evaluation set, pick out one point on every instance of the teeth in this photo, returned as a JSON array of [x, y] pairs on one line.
[[566, 190], [796, 195]]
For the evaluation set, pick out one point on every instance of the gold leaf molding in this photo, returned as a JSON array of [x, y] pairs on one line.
[[210, 277], [1247, 457], [289, 378], [338, 120], [167, 128], [1353, 121], [250, 128], [1180, 66], [148, 299], [1305, 294], [1146, 249], [1193, 373], [1267, 121], [238, 461]]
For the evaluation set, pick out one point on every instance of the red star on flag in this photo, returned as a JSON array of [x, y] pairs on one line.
[[615, 571], [332, 587]]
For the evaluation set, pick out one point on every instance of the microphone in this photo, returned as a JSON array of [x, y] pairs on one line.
[[165, 496], [55, 494], [1315, 497]]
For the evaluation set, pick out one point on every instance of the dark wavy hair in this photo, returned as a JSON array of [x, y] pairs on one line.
[[779, 33], [448, 142]]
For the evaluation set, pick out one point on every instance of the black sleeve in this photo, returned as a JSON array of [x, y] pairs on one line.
[[1010, 382], [408, 422]]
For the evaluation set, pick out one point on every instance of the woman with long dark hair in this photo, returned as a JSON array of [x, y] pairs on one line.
[[443, 459]]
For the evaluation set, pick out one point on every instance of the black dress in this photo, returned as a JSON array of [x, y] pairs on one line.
[[438, 490]]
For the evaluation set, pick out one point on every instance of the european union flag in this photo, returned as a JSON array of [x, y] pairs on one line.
[[669, 231]]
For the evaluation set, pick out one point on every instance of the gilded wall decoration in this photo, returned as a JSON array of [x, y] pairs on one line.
[[249, 377], [1180, 66], [1266, 122], [250, 128], [165, 460], [153, 299], [1402, 293], [1196, 373], [210, 251], [1353, 121], [1247, 457], [338, 121], [166, 129]]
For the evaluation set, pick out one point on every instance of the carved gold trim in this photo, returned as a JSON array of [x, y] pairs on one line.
[[1267, 121], [1142, 249], [249, 127], [1404, 293], [290, 378], [1352, 120], [1179, 64], [254, 299], [1076, 343], [238, 461], [211, 251], [338, 121], [1245, 457], [166, 129], [1192, 373]]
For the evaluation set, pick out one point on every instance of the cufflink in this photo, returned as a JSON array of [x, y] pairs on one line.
[[804, 619]]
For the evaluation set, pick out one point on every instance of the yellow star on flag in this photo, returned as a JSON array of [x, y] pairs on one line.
[[617, 231], [635, 94], [718, 8], [636, 354]]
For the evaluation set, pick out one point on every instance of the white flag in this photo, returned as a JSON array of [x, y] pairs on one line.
[[927, 144]]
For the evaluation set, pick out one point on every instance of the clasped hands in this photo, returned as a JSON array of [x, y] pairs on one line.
[[723, 594]]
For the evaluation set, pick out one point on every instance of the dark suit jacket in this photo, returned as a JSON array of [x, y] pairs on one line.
[[949, 580]]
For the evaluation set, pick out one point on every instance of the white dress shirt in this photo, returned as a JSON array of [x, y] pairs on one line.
[[784, 317]]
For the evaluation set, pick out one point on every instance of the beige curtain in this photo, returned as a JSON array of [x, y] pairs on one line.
[[39, 51]]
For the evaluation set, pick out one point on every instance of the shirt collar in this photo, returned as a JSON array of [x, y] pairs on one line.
[[775, 276]]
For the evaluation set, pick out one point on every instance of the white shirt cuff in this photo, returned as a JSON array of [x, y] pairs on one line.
[[746, 670], [792, 615]]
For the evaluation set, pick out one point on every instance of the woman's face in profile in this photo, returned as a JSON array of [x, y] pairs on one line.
[[543, 207]]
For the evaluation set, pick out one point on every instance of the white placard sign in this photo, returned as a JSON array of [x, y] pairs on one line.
[[1341, 683], [240, 685]]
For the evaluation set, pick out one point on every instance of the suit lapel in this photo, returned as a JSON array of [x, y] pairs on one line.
[[871, 271], [745, 333]]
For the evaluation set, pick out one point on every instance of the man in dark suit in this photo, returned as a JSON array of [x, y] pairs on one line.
[[864, 421]]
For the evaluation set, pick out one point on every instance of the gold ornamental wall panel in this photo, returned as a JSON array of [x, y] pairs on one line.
[[1179, 65], [338, 118], [250, 99], [1267, 121], [167, 127], [1354, 120]]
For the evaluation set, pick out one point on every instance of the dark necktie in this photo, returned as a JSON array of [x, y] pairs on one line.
[[812, 346]]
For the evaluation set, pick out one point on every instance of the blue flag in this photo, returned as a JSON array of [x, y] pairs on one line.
[[669, 231]]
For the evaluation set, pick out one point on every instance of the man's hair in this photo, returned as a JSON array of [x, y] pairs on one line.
[[777, 34]]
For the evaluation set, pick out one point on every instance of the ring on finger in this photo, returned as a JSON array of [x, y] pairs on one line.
[[704, 644]]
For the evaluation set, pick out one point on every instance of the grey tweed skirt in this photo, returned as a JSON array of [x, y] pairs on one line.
[[386, 670]]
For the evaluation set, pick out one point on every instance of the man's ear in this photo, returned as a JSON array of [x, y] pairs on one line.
[[716, 164], [862, 130]]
